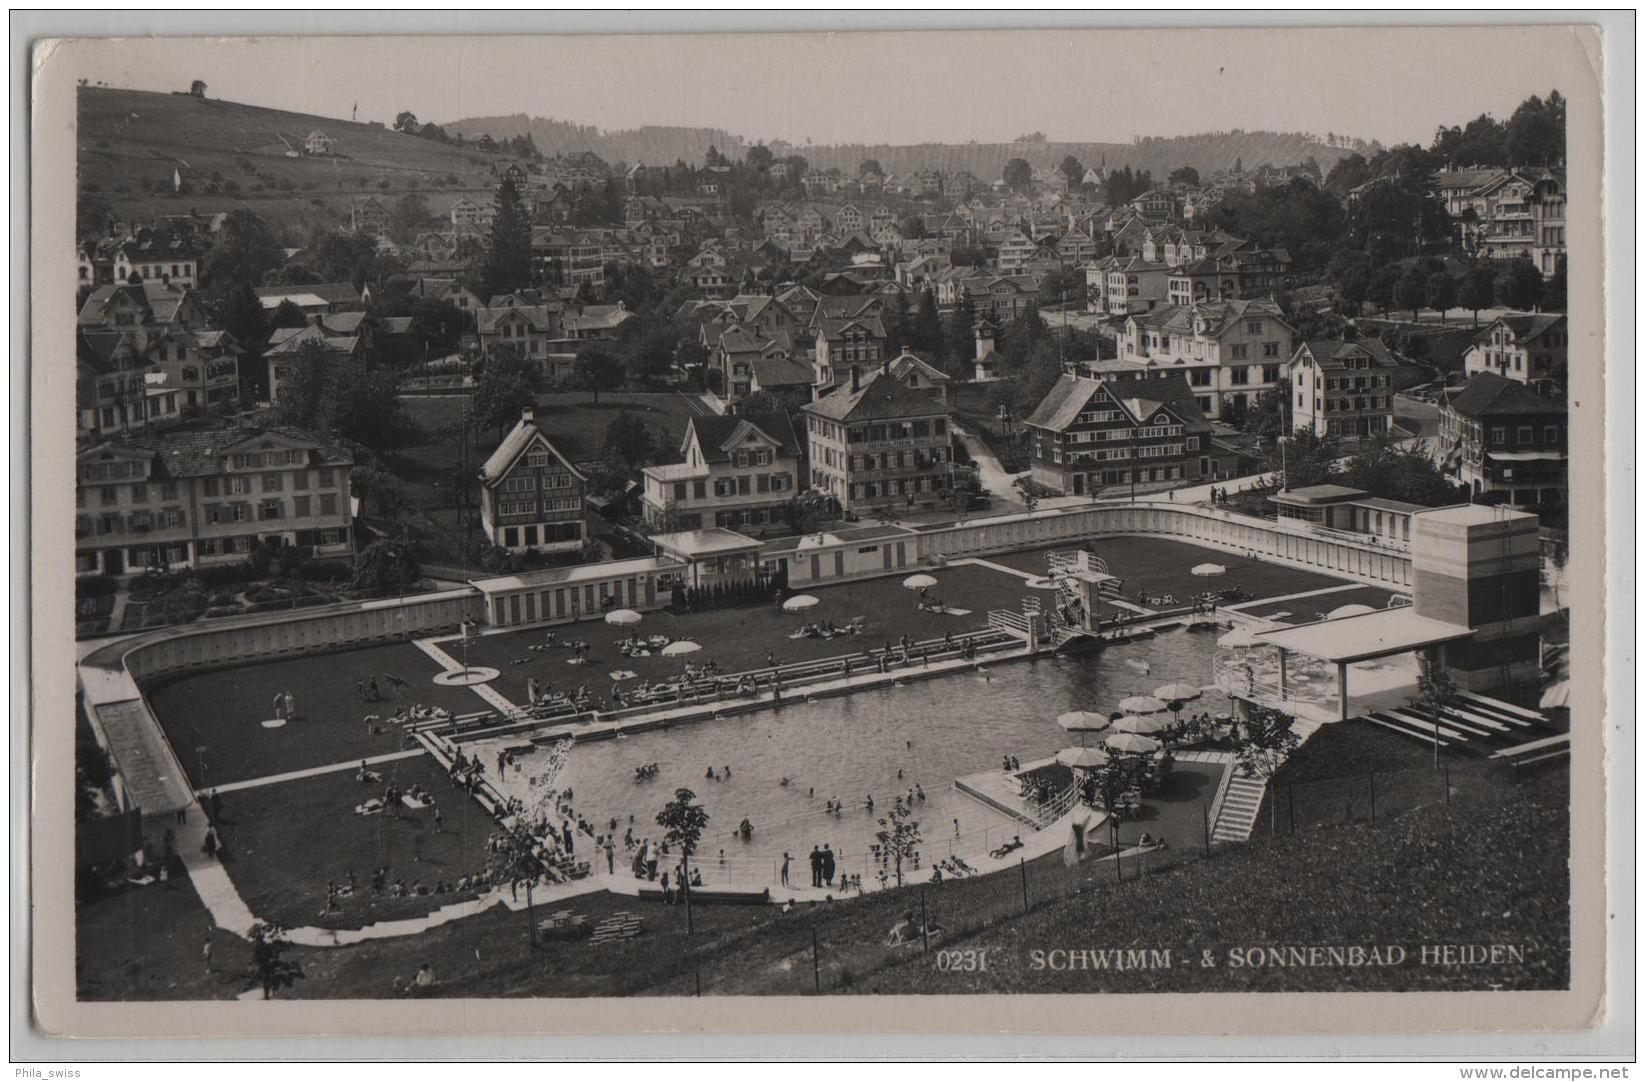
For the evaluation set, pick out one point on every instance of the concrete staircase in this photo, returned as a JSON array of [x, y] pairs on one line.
[[1237, 815]]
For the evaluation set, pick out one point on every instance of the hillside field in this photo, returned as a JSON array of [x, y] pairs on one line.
[[127, 137]]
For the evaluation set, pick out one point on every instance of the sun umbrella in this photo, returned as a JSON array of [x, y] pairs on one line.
[[1348, 610], [1177, 692], [1141, 704], [622, 617], [1076, 721], [919, 582], [1132, 744], [1082, 758], [1142, 726], [684, 646], [799, 602], [1205, 571], [1136, 664], [1242, 637], [623, 674]]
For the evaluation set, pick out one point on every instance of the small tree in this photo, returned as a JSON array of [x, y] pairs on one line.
[[1265, 741], [198, 88], [599, 369], [389, 563], [899, 837], [683, 821], [1436, 690], [270, 969], [1442, 292], [1476, 291], [1411, 289]]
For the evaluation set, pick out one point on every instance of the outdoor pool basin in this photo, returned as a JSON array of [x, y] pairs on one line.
[[851, 748]]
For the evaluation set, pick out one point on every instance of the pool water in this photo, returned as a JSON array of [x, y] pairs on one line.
[[851, 748]]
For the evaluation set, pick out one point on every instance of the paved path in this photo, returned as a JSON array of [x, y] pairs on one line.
[[493, 698], [990, 474], [1295, 597], [311, 772]]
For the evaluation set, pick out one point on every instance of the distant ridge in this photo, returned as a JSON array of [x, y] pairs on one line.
[[660, 145]]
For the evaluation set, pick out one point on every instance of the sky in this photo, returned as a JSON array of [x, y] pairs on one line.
[[1395, 85]]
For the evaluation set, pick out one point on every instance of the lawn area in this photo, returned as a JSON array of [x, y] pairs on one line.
[[1491, 869], [286, 841], [1307, 609], [144, 943], [571, 418], [1161, 566], [740, 639], [1346, 767], [223, 710]]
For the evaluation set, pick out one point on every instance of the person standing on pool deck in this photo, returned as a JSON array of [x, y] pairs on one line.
[[279, 705], [785, 870], [291, 707], [816, 866], [828, 865]]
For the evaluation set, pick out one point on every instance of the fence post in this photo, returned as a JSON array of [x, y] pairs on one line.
[[1373, 796], [1291, 805], [1447, 783], [1205, 821], [925, 924], [816, 967], [1022, 867], [699, 980]]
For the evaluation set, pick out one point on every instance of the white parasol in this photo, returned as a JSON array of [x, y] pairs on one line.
[[683, 646], [1178, 692], [919, 582], [1082, 758], [1142, 726], [623, 617], [1348, 610], [1142, 704], [1132, 744], [800, 602], [1206, 571]]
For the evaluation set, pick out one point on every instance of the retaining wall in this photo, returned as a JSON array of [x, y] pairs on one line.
[[1201, 526]]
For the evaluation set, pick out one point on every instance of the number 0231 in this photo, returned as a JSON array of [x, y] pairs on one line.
[[967, 961]]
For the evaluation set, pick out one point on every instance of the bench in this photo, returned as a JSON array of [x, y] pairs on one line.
[[711, 895], [618, 926], [1536, 751]]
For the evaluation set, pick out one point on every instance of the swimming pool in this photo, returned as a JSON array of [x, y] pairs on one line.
[[851, 748]]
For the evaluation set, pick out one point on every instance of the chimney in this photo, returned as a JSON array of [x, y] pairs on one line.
[[856, 378], [528, 415]]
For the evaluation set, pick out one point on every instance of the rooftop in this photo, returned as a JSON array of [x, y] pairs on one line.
[[1371, 635], [696, 544], [578, 573]]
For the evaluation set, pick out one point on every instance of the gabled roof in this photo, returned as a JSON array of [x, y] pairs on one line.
[[522, 437], [536, 316], [200, 453], [1526, 328], [1491, 395], [1329, 353], [1139, 396], [906, 362], [778, 371], [875, 399], [720, 434]]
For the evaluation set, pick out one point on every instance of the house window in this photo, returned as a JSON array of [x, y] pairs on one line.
[[1499, 434], [1550, 434], [272, 482], [1240, 351], [301, 508], [1526, 434], [328, 504]]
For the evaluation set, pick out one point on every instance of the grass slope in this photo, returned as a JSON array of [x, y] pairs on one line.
[[128, 136]]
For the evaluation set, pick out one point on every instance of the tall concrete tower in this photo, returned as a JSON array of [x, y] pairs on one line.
[[1480, 566]]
